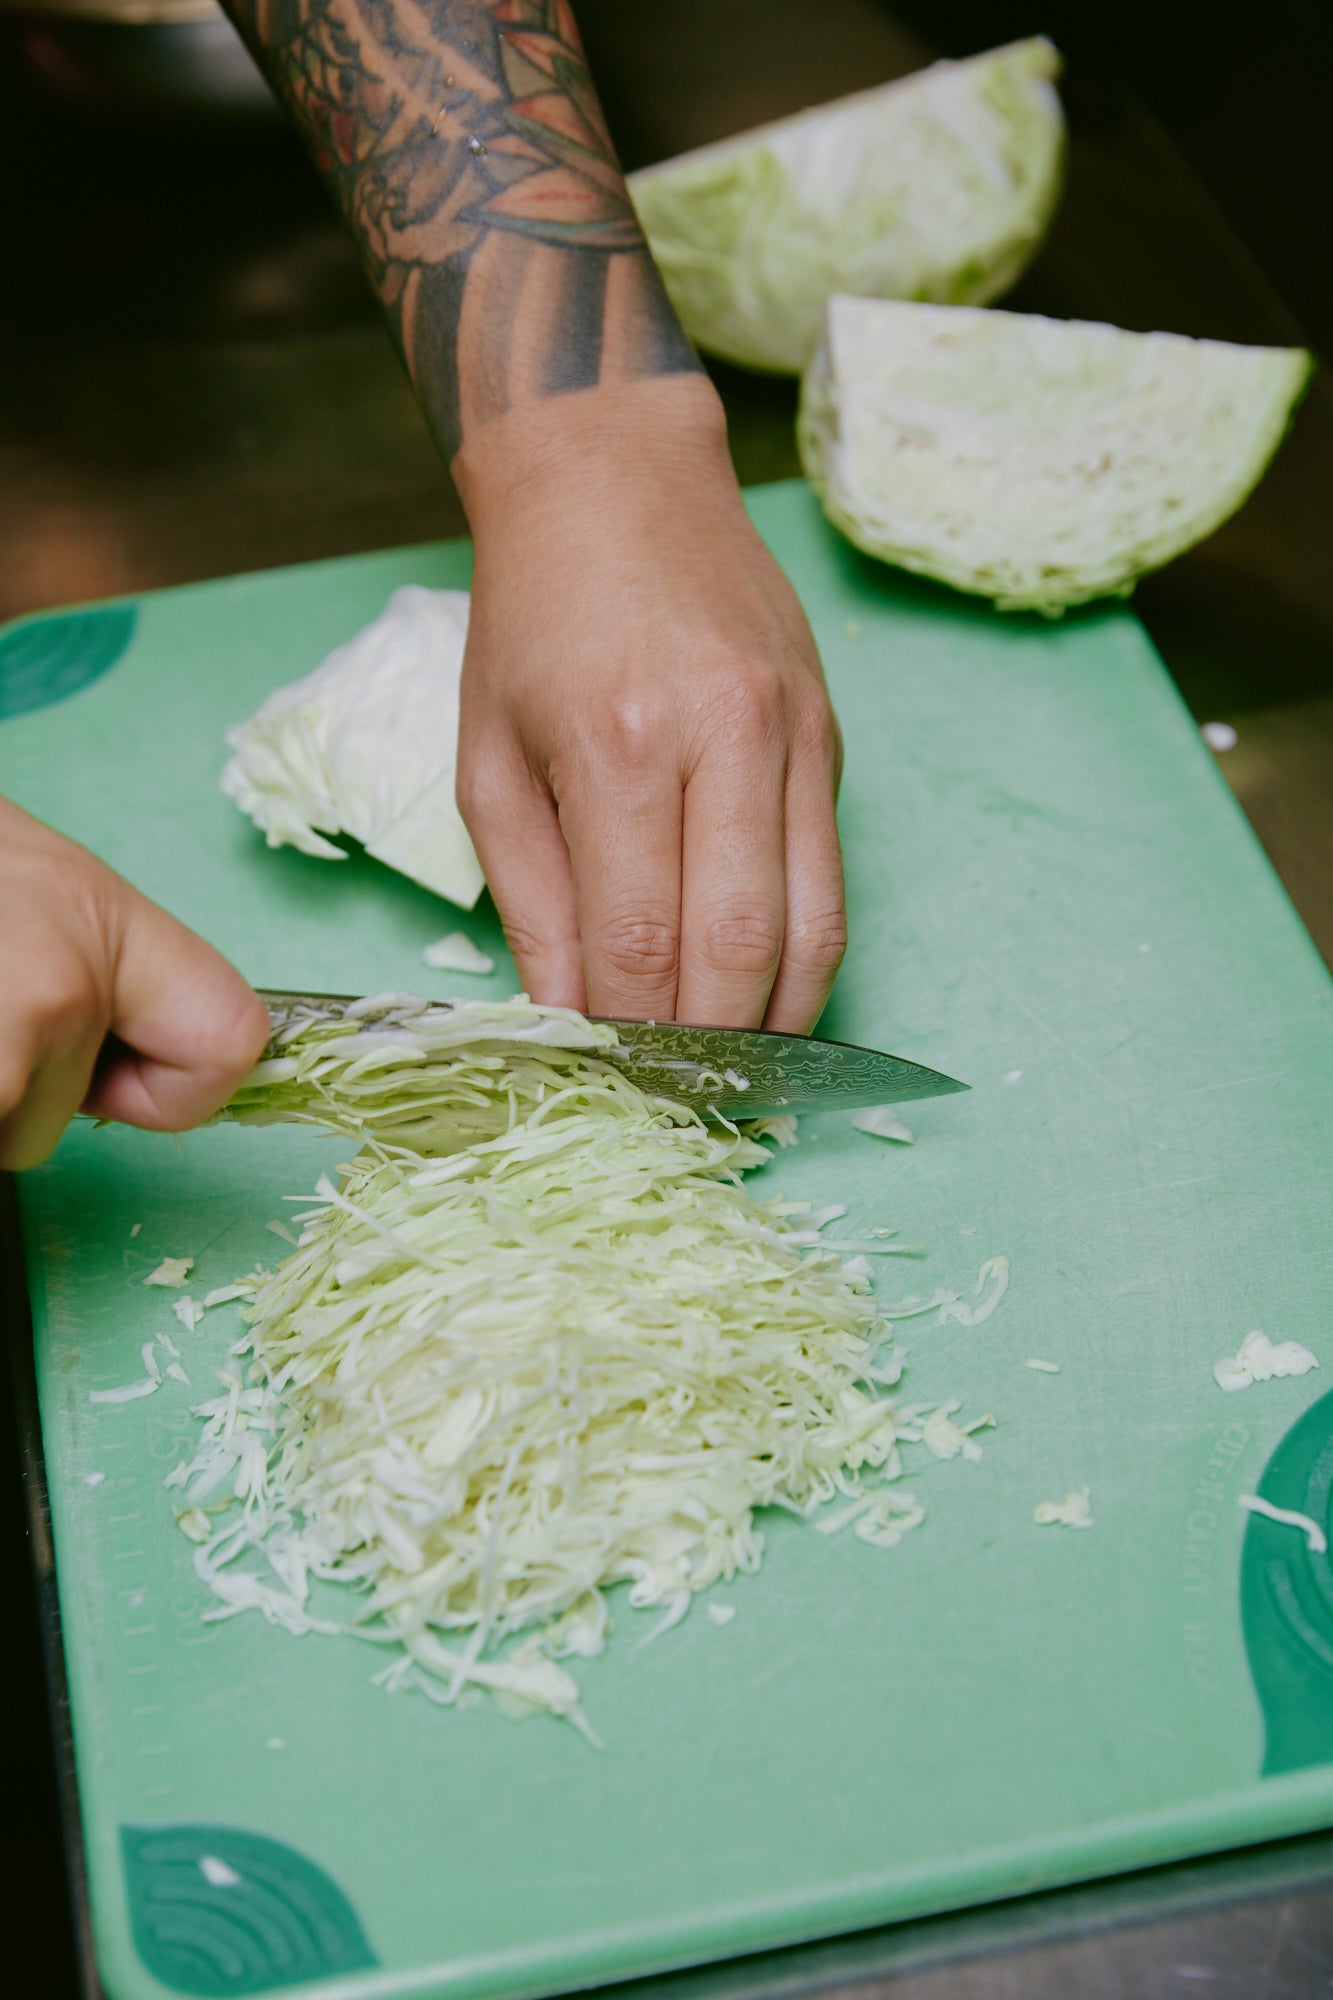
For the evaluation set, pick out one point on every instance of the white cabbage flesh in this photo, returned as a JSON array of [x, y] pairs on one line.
[[1287, 1517], [1074, 1511], [1037, 462], [938, 186], [1261, 1360], [881, 1122], [538, 1341], [458, 953], [424, 1074], [367, 745]]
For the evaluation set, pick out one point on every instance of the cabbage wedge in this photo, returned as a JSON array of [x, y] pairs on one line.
[[938, 186], [1034, 461]]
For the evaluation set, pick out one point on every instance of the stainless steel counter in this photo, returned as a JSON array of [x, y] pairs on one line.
[[195, 382]]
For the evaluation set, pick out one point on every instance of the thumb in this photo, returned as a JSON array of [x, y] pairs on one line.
[[185, 1027]]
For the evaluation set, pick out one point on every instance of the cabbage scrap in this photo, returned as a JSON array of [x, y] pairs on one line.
[[780, 1127], [457, 953], [173, 1272], [1074, 1511], [1260, 1360], [1287, 1517], [129, 1392], [537, 1341], [882, 1122], [937, 186]]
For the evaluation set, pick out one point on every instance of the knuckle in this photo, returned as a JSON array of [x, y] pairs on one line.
[[475, 789], [468, 792], [529, 944], [631, 726], [741, 940], [640, 948], [816, 730], [745, 698], [63, 999], [818, 942]]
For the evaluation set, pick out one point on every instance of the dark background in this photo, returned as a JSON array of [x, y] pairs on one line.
[[193, 380], [1243, 90]]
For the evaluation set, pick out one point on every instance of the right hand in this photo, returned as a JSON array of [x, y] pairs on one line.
[[107, 1004]]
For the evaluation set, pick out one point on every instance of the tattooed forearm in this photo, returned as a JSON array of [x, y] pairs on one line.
[[466, 146]]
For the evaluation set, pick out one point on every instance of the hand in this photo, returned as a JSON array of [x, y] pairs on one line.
[[84, 958], [648, 760]]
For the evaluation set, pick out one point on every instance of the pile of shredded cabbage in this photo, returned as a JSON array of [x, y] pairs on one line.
[[538, 1341]]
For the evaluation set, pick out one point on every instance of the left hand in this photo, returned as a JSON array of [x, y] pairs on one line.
[[648, 758]]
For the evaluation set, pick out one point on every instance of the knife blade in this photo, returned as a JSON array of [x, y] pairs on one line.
[[730, 1073]]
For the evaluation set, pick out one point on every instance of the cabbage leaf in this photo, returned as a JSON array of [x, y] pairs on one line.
[[937, 186], [367, 745]]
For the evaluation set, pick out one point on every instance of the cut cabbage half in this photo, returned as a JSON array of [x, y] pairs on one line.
[[1035, 461], [938, 186], [367, 745]]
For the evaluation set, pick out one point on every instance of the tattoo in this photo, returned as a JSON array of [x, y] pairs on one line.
[[466, 146]]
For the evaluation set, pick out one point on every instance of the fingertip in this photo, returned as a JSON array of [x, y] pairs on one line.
[[242, 1033]]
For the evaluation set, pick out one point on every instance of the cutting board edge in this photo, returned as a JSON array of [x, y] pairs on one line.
[[1271, 1809]]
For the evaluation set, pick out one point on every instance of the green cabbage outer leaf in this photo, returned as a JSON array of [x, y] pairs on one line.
[[939, 186], [537, 1342], [367, 745], [1034, 461]]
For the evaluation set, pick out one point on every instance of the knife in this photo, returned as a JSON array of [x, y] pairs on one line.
[[723, 1072]]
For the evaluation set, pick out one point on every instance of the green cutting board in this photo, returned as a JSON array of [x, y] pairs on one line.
[[1052, 895]]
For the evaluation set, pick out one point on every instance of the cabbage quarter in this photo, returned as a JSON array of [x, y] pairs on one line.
[[938, 186], [1037, 462]]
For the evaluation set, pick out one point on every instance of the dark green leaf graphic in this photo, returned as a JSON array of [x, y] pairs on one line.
[[1286, 1599], [44, 660], [216, 1910]]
